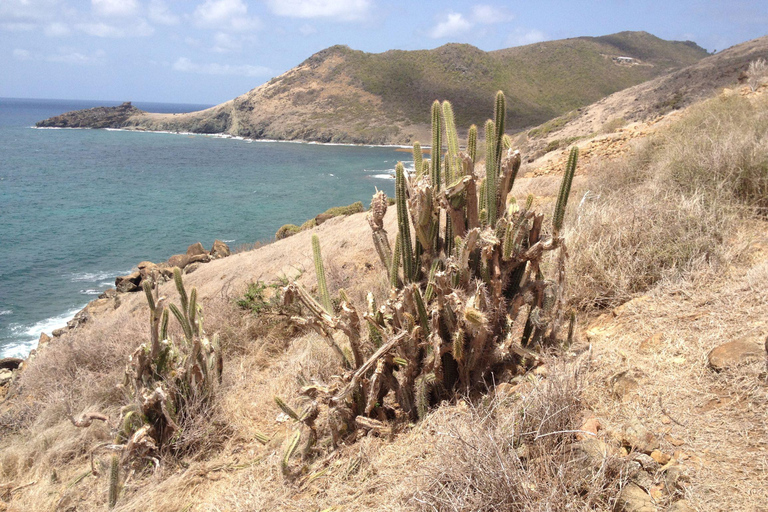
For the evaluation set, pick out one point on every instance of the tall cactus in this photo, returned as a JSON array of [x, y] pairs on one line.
[[499, 119], [453, 166], [491, 175], [409, 263], [472, 144], [565, 190], [417, 159], [322, 286], [437, 145]]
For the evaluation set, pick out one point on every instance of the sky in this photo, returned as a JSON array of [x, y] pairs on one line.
[[210, 51]]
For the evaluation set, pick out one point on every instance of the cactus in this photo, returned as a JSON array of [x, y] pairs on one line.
[[472, 144], [322, 287], [404, 226], [565, 190], [458, 328], [417, 156], [114, 480]]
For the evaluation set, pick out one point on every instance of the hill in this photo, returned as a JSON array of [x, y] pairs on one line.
[[657, 405], [344, 95]]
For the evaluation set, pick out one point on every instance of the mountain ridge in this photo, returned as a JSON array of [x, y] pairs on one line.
[[350, 96]]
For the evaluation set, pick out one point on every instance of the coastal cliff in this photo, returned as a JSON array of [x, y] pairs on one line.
[[343, 95]]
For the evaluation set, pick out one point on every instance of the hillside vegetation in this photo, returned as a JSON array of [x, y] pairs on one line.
[[344, 95], [667, 259]]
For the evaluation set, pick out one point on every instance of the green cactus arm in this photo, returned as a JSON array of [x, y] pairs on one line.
[[490, 172], [286, 408], [147, 286], [322, 286], [565, 190], [394, 269], [292, 445], [164, 325], [404, 226], [422, 310], [452, 139], [188, 333], [417, 158], [437, 145], [472, 143], [114, 480], [193, 311], [423, 389], [182, 292], [499, 119]]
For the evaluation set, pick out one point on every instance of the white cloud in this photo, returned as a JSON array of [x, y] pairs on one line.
[[185, 65], [100, 29], [159, 13], [225, 43], [228, 15], [489, 15], [70, 56], [63, 56], [307, 30], [21, 54], [27, 11], [18, 27], [56, 29], [115, 8], [521, 37], [453, 24], [341, 10]]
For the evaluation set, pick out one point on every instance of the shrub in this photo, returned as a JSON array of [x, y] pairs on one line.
[[757, 73]]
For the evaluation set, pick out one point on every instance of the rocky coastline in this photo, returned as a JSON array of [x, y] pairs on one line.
[[189, 261]]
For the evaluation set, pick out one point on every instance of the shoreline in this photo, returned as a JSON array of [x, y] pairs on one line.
[[234, 137]]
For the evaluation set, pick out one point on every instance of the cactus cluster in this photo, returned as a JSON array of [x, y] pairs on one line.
[[162, 377], [469, 299]]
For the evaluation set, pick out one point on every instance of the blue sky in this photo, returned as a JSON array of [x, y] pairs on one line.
[[209, 51]]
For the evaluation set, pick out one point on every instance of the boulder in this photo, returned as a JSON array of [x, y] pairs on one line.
[[43, 341], [634, 498], [624, 384], [128, 283], [58, 332], [5, 376], [638, 438], [196, 249], [147, 268], [681, 506], [110, 293], [319, 219], [737, 352], [10, 363], [220, 250], [178, 260], [199, 258]]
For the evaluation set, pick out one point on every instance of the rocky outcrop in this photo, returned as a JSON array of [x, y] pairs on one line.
[[97, 117]]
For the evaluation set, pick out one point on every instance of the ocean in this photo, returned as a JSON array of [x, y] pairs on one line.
[[80, 207]]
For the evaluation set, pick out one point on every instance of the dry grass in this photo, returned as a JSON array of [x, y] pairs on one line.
[[515, 455], [668, 210]]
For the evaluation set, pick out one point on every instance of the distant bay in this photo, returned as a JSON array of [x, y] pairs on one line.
[[79, 207]]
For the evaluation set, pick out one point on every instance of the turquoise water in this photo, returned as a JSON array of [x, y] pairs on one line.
[[79, 207]]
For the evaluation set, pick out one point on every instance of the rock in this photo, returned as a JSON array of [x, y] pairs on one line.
[[43, 341], [196, 249], [129, 283], [192, 267], [97, 117], [319, 219], [178, 260], [110, 293], [58, 332], [644, 480], [588, 429], [10, 363], [634, 499], [147, 269], [646, 462], [623, 384], [5, 376], [675, 479], [681, 506], [736, 352], [592, 452], [82, 316], [199, 258], [219, 250], [661, 458], [638, 438]]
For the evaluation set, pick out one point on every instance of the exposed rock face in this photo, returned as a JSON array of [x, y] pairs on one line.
[[97, 117], [196, 249]]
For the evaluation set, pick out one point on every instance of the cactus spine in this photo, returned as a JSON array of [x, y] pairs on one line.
[[491, 176], [114, 480], [453, 165], [322, 287], [499, 115], [437, 145]]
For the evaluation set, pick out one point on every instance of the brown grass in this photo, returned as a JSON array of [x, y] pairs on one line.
[[668, 210]]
